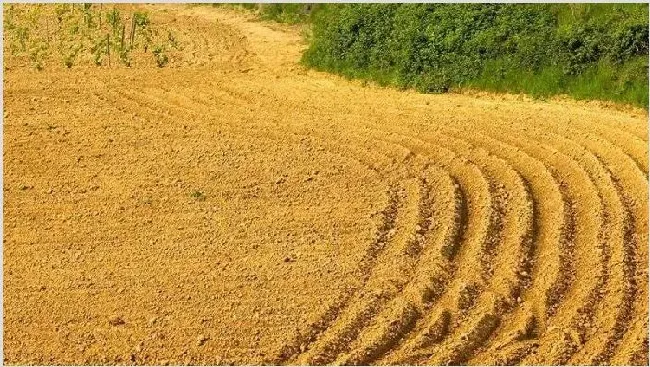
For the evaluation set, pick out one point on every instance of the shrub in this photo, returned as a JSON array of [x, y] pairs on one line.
[[160, 56], [540, 49]]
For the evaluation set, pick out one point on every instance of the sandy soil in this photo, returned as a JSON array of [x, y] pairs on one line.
[[235, 208]]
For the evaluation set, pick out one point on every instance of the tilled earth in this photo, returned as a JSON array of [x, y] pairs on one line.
[[239, 209]]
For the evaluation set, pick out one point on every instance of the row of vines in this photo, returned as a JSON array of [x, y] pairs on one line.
[[46, 35]]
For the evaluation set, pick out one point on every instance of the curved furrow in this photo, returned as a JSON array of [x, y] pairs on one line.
[[636, 150], [388, 277], [430, 284], [520, 179], [547, 224], [485, 269], [151, 102], [633, 186], [636, 127], [411, 247], [506, 259], [509, 355], [598, 324], [386, 234], [473, 242], [614, 312], [313, 332], [537, 182], [415, 348], [499, 232], [633, 181], [515, 222], [491, 169], [633, 146], [334, 308], [401, 313], [587, 249], [165, 102], [609, 120], [634, 346], [604, 323], [371, 158], [626, 130], [501, 294], [475, 231], [456, 351]]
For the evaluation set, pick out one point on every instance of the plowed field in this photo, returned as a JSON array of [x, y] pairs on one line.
[[235, 208]]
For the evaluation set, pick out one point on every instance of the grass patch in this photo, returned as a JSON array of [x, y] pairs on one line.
[[290, 13]]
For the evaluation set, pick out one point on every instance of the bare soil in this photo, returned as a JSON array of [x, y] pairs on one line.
[[236, 208]]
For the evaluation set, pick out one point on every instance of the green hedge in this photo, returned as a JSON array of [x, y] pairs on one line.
[[585, 50]]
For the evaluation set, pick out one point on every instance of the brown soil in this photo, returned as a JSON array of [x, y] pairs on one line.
[[235, 208]]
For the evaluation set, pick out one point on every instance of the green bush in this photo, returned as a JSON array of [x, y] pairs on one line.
[[160, 55], [586, 50]]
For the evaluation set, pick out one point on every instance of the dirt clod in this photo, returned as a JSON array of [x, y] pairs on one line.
[[201, 339], [116, 320]]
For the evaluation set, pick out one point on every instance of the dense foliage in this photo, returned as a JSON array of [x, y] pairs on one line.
[[585, 50]]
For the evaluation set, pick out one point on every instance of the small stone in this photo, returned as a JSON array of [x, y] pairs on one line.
[[280, 181]]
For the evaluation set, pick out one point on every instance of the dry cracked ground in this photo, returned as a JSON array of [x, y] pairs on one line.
[[237, 208]]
